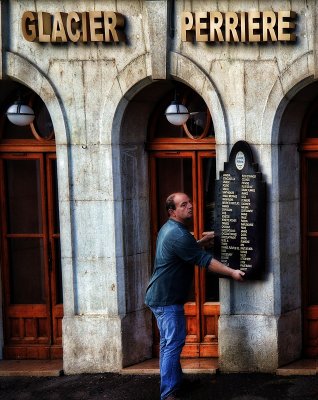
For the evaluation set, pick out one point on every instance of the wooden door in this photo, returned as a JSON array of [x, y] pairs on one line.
[[30, 256], [310, 251], [309, 225], [192, 172]]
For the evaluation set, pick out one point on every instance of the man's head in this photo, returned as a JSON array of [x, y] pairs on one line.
[[179, 207]]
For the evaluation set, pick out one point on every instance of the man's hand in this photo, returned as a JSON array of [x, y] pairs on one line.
[[207, 239], [237, 275], [219, 268]]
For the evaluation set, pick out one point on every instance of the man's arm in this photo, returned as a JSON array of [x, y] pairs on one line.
[[206, 240], [219, 268]]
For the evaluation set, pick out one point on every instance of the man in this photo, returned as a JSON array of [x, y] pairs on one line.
[[177, 253]]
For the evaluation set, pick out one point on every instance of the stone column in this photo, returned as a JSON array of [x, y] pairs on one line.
[[157, 23]]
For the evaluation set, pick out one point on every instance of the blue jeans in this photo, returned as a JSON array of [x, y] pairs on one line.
[[172, 329]]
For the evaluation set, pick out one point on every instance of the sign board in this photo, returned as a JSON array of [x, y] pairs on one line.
[[240, 213]]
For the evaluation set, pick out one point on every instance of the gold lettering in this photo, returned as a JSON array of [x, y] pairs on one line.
[[58, 31], [231, 23], [187, 26], [283, 25], [216, 22], [85, 32], [72, 26], [113, 25], [45, 27], [269, 23], [29, 26], [254, 25], [95, 26], [243, 26], [201, 24]]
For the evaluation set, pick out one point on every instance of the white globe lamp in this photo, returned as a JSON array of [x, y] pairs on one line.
[[20, 114], [177, 114]]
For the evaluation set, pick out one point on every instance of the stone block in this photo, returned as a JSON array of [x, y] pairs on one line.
[[257, 90], [132, 73], [65, 228], [95, 286], [289, 227], [137, 336], [82, 87], [68, 286], [157, 35], [290, 281], [137, 273], [248, 343], [136, 226], [134, 172], [62, 157], [230, 86], [252, 297], [91, 172], [291, 123], [289, 337], [92, 229], [92, 344]]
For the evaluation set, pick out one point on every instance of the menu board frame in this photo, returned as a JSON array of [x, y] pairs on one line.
[[240, 213]]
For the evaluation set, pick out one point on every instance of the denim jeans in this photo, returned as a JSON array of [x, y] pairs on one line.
[[172, 329]]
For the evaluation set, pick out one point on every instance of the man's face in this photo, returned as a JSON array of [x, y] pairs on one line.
[[184, 208]]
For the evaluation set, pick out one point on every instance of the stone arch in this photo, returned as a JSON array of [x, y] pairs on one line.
[[282, 120], [21, 70], [126, 116], [184, 69]]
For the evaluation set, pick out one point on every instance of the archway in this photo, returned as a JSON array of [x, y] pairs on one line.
[[137, 215], [20, 70], [30, 236], [128, 110], [290, 157]]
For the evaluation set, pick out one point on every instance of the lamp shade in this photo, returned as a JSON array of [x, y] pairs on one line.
[[20, 114], [177, 114]]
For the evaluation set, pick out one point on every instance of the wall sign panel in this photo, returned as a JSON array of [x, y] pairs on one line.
[[240, 213]]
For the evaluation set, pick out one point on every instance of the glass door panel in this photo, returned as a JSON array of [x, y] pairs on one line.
[[173, 175], [26, 263], [24, 207]]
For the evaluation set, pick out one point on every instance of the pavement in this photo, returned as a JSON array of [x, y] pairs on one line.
[[146, 387]]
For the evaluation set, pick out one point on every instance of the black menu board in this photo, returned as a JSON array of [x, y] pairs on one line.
[[240, 213]]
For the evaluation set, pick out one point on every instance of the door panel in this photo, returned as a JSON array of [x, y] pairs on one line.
[[29, 269], [192, 172], [209, 283], [310, 252], [54, 257]]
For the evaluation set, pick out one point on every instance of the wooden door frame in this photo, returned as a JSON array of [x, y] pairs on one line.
[[309, 150], [209, 349], [44, 152], [196, 152]]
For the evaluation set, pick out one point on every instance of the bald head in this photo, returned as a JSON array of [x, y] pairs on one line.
[[179, 207]]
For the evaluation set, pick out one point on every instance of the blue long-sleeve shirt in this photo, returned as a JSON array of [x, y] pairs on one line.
[[176, 254]]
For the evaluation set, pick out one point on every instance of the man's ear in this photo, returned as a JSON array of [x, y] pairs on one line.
[[170, 211]]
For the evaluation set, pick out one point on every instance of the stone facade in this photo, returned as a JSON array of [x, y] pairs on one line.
[[99, 98]]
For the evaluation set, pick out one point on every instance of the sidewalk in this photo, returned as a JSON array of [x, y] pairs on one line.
[[146, 387]]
